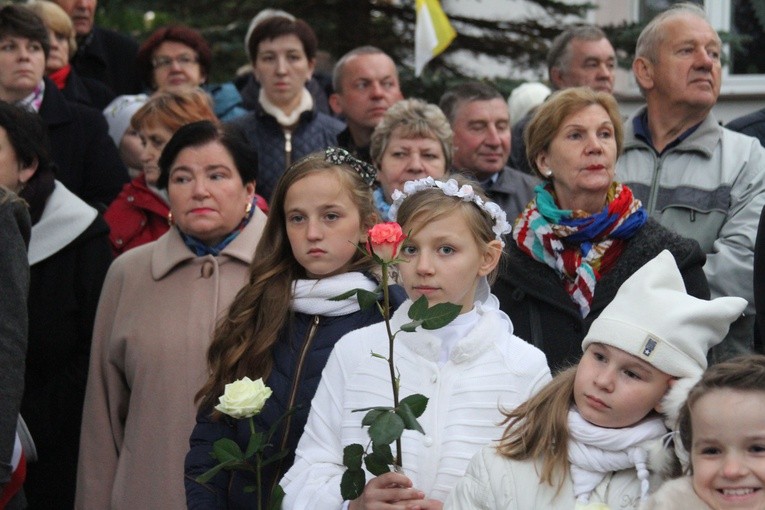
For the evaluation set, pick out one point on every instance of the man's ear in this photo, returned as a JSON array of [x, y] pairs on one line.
[[642, 68], [334, 103], [556, 78], [490, 258]]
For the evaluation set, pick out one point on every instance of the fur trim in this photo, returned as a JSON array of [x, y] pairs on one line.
[[671, 404], [674, 400]]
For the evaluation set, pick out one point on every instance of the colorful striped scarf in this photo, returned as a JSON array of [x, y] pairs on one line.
[[578, 246]]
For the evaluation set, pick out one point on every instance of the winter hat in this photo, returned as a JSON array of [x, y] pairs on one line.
[[524, 98], [653, 318], [119, 112], [262, 16]]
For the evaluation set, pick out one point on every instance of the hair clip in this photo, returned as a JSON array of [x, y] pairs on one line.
[[338, 156]]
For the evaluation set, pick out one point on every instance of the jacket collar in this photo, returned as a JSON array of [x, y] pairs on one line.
[[703, 140], [170, 251], [428, 345]]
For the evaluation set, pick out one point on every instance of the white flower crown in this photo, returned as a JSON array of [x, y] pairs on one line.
[[450, 188]]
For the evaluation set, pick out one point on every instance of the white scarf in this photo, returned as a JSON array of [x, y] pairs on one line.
[[594, 452], [313, 296], [285, 120]]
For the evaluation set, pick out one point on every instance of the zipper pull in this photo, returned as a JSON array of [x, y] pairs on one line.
[[287, 147]]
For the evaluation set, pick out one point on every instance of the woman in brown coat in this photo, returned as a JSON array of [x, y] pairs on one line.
[[154, 324]]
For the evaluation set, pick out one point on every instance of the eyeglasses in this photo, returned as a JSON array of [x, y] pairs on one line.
[[184, 60]]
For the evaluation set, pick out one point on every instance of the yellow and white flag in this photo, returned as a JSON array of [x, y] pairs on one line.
[[432, 34]]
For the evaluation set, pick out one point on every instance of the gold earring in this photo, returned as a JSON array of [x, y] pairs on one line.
[[170, 220], [247, 208]]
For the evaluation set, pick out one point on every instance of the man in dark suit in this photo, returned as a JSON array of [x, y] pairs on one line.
[[102, 54]]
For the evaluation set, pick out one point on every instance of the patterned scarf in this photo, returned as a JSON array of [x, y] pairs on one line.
[[580, 247], [201, 249]]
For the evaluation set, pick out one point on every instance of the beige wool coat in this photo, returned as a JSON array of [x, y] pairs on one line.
[[154, 324]]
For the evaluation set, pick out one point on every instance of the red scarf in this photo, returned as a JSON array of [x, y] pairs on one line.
[[60, 76]]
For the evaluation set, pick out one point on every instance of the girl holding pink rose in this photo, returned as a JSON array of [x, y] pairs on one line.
[[469, 369], [282, 326]]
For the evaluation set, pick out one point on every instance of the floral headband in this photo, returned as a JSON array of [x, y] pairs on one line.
[[338, 156], [450, 188]]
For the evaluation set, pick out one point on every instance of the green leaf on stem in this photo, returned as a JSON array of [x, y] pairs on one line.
[[417, 403], [440, 315], [344, 295], [384, 452], [277, 495], [367, 299], [376, 464], [352, 484], [386, 428], [371, 416], [418, 308], [408, 417], [254, 444], [381, 408], [352, 456], [226, 450], [410, 327], [275, 457], [375, 355], [209, 474]]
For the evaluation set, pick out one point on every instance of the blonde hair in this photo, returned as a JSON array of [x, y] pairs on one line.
[[423, 207], [56, 19], [414, 118], [538, 428], [549, 116], [243, 341]]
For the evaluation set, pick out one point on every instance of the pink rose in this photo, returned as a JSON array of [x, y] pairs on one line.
[[384, 240]]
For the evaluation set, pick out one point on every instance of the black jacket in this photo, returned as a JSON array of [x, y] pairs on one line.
[[87, 91], [109, 57], [63, 297], [306, 344], [544, 314], [87, 159], [752, 125]]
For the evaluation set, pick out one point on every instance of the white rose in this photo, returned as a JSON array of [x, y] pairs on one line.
[[243, 398]]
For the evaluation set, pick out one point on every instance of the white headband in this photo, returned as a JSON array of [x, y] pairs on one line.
[[450, 188]]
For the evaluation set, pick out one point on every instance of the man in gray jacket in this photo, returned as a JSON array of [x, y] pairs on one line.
[[480, 120], [694, 176]]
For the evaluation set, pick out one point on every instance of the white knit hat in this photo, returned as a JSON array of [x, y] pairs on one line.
[[653, 318], [525, 97], [257, 19], [119, 112]]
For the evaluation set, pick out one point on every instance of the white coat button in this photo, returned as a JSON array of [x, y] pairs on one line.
[[130, 198], [428, 441]]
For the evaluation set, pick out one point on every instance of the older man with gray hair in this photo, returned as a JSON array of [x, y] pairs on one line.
[[695, 177], [480, 120]]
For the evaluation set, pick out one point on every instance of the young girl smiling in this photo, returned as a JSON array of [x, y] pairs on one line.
[[722, 425], [283, 324], [467, 369], [583, 441]]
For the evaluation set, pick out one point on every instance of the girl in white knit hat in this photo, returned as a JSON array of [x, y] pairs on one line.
[[722, 425], [583, 441]]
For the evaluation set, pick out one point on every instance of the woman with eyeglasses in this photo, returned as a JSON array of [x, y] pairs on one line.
[[177, 57]]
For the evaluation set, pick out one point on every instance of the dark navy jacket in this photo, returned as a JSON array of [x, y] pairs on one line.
[[299, 358]]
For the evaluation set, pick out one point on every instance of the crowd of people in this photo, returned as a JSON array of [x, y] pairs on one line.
[[162, 236]]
